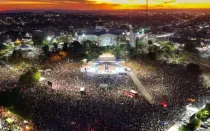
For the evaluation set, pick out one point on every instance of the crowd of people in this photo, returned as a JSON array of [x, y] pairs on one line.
[[8, 78], [62, 107], [12, 122]]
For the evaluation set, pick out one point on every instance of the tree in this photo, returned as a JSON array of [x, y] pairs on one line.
[[198, 41], [191, 48], [3, 46], [65, 47], [65, 38], [202, 114], [168, 48], [207, 107], [117, 50], [31, 76], [125, 51], [16, 54], [86, 44], [92, 55], [139, 43], [44, 42], [154, 51], [149, 42], [46, 50], [37, 39], [184, 128], [75, 46], [55, 46], [91, 50], [194, 124]]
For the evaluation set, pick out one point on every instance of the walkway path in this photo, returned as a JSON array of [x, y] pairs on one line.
[[140, 87]]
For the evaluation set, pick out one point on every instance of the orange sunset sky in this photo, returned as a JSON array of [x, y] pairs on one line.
[[101, 4]]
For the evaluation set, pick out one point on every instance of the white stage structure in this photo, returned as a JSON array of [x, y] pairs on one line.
[[106, 64]]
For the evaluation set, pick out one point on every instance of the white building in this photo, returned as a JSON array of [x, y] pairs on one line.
[[105, 37]]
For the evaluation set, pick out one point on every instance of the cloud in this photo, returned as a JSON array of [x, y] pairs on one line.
[[24, 2], [100, 4]]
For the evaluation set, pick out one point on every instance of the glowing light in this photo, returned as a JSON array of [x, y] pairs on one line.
[[73, 123], [17, 41], [27, 127], [82, 89], [142, 31], [84, 60], [191, 100], [49, 38], [164, 104], [25, 121]]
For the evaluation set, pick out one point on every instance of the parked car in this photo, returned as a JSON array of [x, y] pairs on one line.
[[2, 64], [200, 129], [204, 126]]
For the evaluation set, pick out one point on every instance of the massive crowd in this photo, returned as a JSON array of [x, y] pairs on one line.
[[8, 78], [12, 122], [61, 107]]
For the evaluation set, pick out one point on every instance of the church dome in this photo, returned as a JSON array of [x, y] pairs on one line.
[[125, 27], [99, 26]]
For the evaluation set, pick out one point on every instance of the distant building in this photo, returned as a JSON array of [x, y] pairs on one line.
[[27, 37]]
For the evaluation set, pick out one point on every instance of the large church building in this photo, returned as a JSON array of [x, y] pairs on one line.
[[107, 37]]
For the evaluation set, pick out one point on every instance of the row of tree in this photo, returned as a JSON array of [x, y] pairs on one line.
[[87, 49], [165, 50], [196, 120]]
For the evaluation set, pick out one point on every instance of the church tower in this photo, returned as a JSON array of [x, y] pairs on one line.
[[132, 37]]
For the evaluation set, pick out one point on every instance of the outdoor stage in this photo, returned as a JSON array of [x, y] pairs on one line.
[[106, 64]]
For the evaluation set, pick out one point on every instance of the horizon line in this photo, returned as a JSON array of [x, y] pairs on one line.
[[106, 9]]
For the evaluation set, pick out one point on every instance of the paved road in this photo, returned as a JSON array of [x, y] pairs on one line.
[[187, 114], [175, 127]]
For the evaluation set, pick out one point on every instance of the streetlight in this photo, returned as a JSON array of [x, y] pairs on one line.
[[49, 39], [83, 36]]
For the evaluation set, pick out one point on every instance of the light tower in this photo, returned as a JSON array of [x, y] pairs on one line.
[[147, 6], [146, 22], [132, 37]]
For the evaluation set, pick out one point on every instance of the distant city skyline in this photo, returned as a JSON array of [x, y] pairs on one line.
[[101, 4]]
